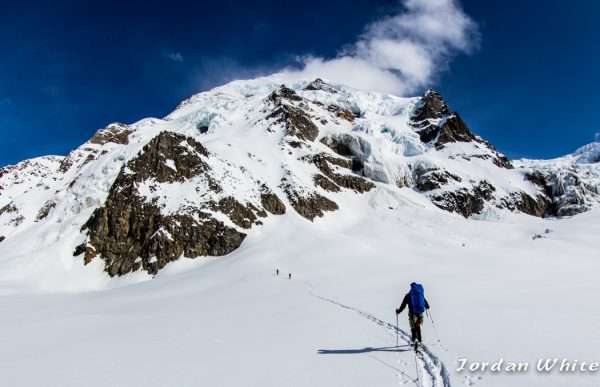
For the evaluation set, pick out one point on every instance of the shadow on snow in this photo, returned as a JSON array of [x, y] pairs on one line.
[[362, 350]]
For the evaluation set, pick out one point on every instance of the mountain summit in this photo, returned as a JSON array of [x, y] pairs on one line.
[[136, 197]]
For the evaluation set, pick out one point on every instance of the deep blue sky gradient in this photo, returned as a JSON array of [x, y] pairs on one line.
[[70, 68]]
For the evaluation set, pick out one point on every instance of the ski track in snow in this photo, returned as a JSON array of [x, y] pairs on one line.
[[431, 370]]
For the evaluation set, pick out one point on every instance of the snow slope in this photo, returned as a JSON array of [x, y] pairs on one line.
[[494, 291]]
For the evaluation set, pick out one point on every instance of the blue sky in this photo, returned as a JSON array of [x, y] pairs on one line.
[[528, 81]]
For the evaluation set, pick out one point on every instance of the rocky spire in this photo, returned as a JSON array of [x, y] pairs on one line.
[[432, 106]]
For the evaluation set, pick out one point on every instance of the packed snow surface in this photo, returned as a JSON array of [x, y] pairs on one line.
[[494, 292]]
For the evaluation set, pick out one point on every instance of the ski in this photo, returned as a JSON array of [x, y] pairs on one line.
[[417, 349]]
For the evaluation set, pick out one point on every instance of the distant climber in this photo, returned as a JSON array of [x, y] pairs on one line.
[[277, 271], [290, 276], [417, 304]]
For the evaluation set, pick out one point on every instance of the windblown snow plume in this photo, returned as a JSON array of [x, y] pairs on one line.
[[399, 53]]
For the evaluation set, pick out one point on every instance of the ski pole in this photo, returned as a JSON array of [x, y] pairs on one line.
[[396, 329], [433, 323], [418, 383]]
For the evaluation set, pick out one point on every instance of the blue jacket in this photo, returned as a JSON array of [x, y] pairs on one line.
[[408, 302]]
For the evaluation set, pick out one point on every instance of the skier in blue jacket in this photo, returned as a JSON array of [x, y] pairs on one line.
[[416, 302]]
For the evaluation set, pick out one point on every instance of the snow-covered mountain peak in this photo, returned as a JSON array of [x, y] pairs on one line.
[[136, 197], [431, 107], [589, 153]]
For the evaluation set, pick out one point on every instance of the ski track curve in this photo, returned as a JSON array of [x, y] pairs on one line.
[[433, 371]]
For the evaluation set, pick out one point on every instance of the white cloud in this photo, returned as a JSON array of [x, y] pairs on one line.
[[174, 56], [399, 53]]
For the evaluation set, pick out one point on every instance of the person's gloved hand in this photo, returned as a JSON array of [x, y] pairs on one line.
[[397, 311]]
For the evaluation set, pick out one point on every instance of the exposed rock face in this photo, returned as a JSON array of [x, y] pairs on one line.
[[454, 130], [7, 209], [319, 84], [431, 180], [566, 191], [283, 93], [290, 111], [168, 158], [113, 134], [325, 183], [242, 216], [340, 145], [2, 238], [436, 123], [116, 133], [463, 201], [539, 206], [350, 147], [297, 123], [354, 182], [45, 210], [308, 204], [312, 205], [431, 107], [342, 113], [130, 233], [272, 203]]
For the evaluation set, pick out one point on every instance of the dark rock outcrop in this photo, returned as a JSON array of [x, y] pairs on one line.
[[17, 221], [354, 182], [170, 157], [485, 190], [463, 201], [283, 93], [344, 146], [130, 233], [115, 133], [539, 206], [312, 205], [342, 113], [2, 238], [431, 180], [339, 147], [436, 123], [272, 203], [454, 129], [296, 122], [565, 192], [45, 210], [432, 106], [7, 209], [319, 84], [307, 204], [240, 215], [325, 183]]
